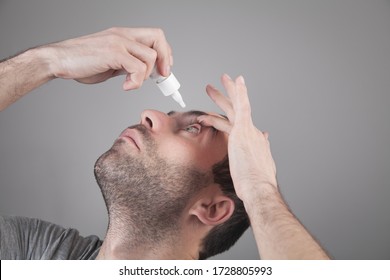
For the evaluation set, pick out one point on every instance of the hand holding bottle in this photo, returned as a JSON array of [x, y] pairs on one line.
[[89, 59], [97, 57]]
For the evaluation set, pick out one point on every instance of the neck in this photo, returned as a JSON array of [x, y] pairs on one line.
[[121, 245]]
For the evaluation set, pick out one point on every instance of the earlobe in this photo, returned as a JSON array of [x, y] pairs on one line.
[[213, 211]]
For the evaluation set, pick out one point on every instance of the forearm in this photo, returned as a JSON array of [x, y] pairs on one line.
[[278, 233], [21, 74]]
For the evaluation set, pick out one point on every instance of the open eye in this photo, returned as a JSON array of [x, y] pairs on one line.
[[193, 128]]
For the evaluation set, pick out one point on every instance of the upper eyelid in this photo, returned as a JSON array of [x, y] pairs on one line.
[[203, 127], [189, 121], [196, 126], [193, 124], [195, 121]]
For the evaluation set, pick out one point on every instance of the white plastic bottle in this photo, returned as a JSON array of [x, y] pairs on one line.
[[169, 86]]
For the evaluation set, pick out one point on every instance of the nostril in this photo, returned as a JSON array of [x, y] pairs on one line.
[[149, 121]]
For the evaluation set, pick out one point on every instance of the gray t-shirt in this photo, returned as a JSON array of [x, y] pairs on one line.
[[32, 239]]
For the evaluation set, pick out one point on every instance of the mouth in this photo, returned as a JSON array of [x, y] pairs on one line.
[[131, 136]]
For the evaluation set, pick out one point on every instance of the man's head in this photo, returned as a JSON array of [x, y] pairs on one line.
[[168, 178]]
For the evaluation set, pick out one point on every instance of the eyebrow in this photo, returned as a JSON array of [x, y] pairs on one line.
[[193, 113], [186, 118]]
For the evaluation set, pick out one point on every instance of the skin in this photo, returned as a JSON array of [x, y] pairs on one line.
[[133, 52], [278, 233], [89, 59], [180, 141], [193, 143]]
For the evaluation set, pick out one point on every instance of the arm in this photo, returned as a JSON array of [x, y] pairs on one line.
[[89, 59], [278, 233], [22, 74]]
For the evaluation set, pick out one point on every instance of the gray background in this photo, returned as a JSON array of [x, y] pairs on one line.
[[318, 74]]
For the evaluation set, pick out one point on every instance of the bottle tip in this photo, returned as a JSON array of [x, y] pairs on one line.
[[182, 104], [177, 97]]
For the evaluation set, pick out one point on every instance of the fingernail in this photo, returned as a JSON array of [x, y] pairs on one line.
[[227, 76], [171, 60], [211, 86], [240, 80], [167, 71]]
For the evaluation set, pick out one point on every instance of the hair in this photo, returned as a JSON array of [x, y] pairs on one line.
[[225, 235]]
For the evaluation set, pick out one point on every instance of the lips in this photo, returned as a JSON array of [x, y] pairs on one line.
[[131, 135]]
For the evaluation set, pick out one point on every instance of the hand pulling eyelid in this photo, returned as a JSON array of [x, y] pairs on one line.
[[169, 86]]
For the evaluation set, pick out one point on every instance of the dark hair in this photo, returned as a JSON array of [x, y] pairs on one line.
[[223, 236]]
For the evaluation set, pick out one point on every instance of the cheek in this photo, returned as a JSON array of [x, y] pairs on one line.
[[180, 152], [189, 154]]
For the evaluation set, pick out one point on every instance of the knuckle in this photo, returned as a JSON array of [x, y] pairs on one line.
[[159, 32], [152, 56], [114, 30], [142, 67], [140, 73]]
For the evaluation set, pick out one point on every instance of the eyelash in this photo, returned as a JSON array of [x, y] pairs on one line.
[[199, 128], [196, 126]]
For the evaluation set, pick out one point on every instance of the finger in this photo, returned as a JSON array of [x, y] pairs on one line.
[[170, 56], [217, 122], [143, 53], [221, 100], [229, 86], [242, 99], [155, 39], [136, 70], [132, 81], [237, 92], [164, 59]]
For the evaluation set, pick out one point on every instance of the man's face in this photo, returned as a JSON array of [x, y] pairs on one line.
[[155, 168], [179, 139]]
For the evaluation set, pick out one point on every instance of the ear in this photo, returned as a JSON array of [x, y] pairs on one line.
[[213, 210]]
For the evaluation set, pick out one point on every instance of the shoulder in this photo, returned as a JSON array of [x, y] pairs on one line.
[[30, 238]]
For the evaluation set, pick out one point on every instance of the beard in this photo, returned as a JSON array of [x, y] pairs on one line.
[[145, 195]]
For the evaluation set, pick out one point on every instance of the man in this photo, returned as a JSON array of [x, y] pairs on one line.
[[166, 181]]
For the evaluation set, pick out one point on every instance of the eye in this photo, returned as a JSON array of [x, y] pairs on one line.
[[193, 128]]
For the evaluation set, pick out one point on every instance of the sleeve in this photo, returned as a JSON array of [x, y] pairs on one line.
[[30, 239]]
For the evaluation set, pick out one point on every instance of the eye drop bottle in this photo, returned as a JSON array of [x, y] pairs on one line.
[[169, 86]]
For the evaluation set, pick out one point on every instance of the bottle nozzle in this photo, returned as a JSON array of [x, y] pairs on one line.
[[177, 97]]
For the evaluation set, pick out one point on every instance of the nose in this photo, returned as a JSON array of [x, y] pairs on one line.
[[155, 120]]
